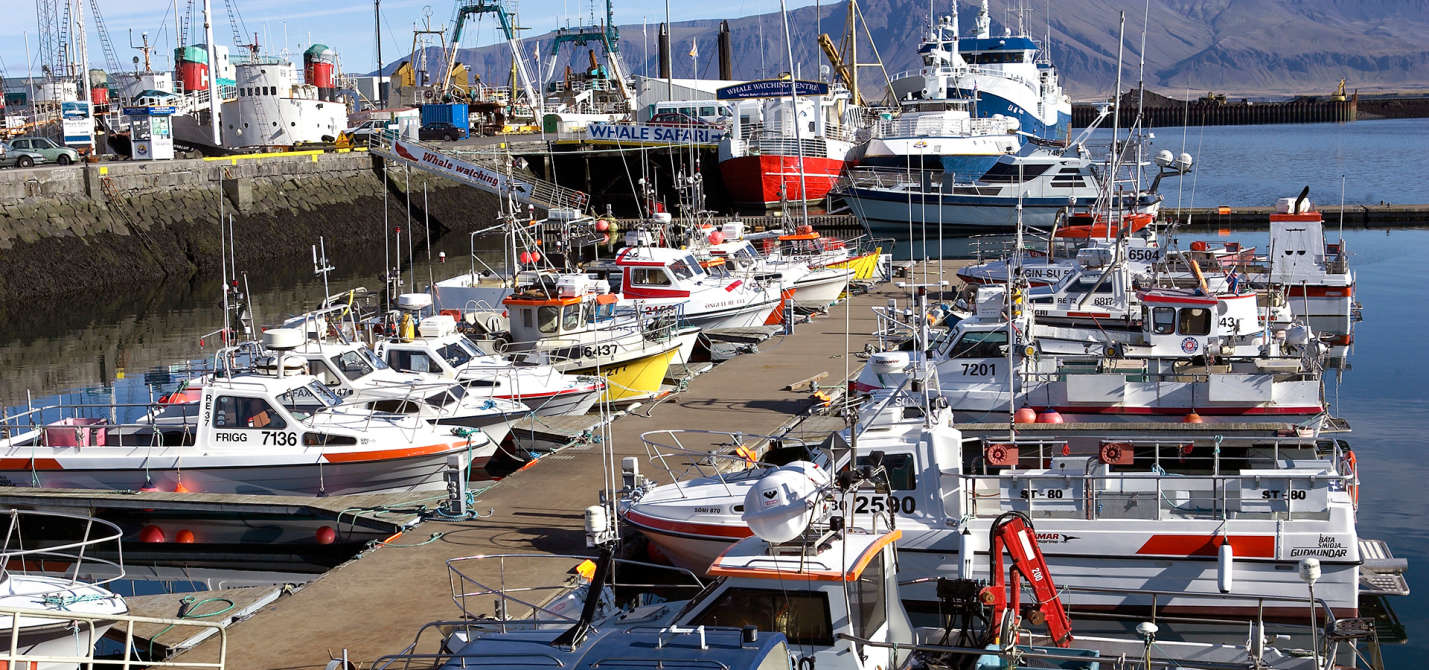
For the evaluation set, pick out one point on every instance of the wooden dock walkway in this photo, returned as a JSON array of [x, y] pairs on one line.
[[375, 605]]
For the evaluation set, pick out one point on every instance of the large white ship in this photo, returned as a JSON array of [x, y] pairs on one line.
[[273, 109]]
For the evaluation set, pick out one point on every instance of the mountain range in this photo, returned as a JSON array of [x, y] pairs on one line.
[[1240, 47]]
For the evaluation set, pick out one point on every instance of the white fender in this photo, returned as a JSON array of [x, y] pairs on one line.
[[1226, 566]]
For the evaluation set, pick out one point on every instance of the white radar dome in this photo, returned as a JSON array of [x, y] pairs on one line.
[[282, 339], [1164, 158], [778, 506], [414, 301]]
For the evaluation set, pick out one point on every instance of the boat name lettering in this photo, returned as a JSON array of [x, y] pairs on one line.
[[207, 408], [1045, 494], [627, 132], [1055, 538], [1230, 323], [230, 436], [597, 350], [1329, 546], [708, 510], [1103, 302]]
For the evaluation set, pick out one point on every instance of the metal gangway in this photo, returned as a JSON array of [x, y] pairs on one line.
[[482, 172]]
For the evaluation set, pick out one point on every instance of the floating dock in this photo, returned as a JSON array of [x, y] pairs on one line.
[[389, 593]]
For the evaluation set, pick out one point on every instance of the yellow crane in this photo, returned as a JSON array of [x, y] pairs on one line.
[[841, 70], [1339, 95]]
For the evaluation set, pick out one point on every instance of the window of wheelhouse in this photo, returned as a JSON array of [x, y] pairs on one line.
[[980, 344], [649, 276], [1163, 321], [571, 317], [352, 365], [802, 616], [455, 355], [1195, 321], [411, 361], [240, 412], [548, 318], [899, 469]]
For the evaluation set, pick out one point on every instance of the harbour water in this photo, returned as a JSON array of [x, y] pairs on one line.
[[119, 347]]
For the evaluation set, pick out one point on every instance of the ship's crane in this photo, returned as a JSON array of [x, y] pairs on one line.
[[1012, 532], [840, 69], [844, 58], [465, 8], [607, 35], [111, 57]]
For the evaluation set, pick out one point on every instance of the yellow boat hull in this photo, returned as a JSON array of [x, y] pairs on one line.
[[863, 266], [635, 379]]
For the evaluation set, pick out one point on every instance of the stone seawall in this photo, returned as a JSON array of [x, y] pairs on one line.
[[104, 228]]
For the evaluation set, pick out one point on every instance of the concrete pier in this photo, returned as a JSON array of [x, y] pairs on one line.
[[375, 605]]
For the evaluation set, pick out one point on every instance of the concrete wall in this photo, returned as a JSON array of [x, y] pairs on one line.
[[88, 228]]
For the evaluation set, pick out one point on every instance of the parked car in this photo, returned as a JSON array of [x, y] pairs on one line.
[[53, 152], [362, 133], [439, 130], [13, 157]]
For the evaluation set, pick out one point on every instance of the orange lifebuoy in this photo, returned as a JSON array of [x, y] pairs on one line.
[[1115, 453]]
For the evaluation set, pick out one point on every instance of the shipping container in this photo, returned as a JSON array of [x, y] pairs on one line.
[[454, 113]]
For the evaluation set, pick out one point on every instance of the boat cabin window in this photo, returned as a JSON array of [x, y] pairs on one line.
[[411, 361], [548, 318], [240, 412], [683, 268], [899, 467], [870, 606], [446, 397], [980, 344], [802, 616], [571, 317], [455, 355], [302, 401], [718, 270], [1088, 284], [1195, 321], [354, 365], [1163, 321], [649, 276]]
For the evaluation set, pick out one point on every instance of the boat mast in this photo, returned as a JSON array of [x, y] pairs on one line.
[[794, 101], [1115, 130], [213, 96]]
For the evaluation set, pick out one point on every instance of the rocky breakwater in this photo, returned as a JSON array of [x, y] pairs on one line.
[[111, 229]]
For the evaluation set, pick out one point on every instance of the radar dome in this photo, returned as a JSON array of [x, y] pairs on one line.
[[778, 506], [1165, 158]]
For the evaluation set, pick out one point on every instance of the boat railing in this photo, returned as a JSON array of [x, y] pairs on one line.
[[487, 581], [1194, 478], [91, 627], [1148, 604], [937, 127], [723, 456], [75, 558]]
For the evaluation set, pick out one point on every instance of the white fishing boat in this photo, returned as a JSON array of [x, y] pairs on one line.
[[54, 619], [651, 277], [255, 432], [431, 346], [1215, 525], [573, 322], [816, 283]]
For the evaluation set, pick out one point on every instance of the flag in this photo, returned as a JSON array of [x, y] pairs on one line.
[[694, 49]]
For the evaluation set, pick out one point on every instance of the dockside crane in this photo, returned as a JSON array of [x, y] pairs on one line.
[[467, 8], [607, 35]]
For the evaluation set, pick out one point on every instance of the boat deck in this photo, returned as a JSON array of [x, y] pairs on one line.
[[375, 605], [222, 606]]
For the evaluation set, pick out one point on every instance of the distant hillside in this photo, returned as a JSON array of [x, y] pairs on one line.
[[1242, 47]]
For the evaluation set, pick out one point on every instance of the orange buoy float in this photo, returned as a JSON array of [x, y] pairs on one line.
[[1049, 416], [185, 536], [180, 488], [1193, 418], [151, 535], [326, 535], [1025, 415]]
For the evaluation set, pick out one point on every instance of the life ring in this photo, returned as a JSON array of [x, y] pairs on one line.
[[1003, 455]]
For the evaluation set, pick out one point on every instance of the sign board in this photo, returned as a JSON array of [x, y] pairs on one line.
[[485, 178], [159, 110], [771, 88], [77, 120], [629, 133]]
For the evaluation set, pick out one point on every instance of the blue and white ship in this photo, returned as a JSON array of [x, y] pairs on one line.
[[1008, 75]]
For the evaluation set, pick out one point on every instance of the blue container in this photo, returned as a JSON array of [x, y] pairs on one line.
[[454, 113]]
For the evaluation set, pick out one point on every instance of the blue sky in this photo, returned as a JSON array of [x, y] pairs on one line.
[[344, 25]]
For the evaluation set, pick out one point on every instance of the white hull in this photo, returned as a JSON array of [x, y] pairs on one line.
[[821, 288]]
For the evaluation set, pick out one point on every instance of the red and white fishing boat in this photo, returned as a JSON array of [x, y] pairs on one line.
[[658, 277], [765, 161]]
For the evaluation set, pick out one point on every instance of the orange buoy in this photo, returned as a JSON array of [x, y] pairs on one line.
[[326, 535], [1198, 246], [151, 535], [525, 258], [601, 225], [535, 257], [1049, 416], [1192, 418], [185, 536], [180, 488], [716, 237], [1025, 415]]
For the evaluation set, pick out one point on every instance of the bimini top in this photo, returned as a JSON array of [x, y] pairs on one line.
[[835, 562]]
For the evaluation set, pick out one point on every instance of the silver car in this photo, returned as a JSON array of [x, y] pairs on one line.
[[10, 156]]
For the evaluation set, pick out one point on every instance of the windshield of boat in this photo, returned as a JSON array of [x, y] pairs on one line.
[[354, 365], [802, 616], [897, 467], [303, 401], [685, 268], [745, 256], [454, 354], [450, 395]]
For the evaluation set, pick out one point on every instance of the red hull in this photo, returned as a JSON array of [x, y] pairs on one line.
[[758, 180]]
